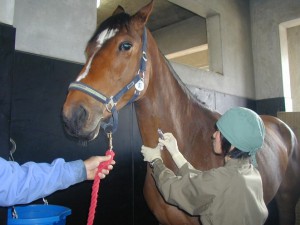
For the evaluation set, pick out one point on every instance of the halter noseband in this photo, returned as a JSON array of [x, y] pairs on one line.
[[110, 103]]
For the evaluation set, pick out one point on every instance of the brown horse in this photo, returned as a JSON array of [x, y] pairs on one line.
[[123, 61]]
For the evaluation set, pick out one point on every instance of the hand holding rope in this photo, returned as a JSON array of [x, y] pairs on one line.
[[96, 183]]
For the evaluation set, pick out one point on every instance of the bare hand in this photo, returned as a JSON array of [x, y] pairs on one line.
[[92, 164]]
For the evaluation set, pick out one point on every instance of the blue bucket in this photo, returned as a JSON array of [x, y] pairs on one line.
[[39, 215]]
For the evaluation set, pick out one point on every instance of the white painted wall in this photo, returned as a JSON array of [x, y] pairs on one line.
[[266, 16], [7, 11], [293, 36], [55, 28]]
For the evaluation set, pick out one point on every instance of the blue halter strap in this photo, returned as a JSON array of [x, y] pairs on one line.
[[110, 103]]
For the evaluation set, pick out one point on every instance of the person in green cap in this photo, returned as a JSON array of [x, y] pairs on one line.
[[228, 195]]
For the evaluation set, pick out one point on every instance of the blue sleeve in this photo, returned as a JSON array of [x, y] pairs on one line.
[[21, 184]]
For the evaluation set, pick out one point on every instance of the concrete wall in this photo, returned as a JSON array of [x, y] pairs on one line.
[[265, 19], [7, 11], [56, 28], [186, 34], [234, 46]]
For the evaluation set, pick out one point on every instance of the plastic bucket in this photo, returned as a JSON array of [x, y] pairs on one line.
[[39, 215]]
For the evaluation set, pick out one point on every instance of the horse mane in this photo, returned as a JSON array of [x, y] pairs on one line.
[[186, 90], [114, 22]]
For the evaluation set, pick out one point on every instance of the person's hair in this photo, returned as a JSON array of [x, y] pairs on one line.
[[234, 153], [225, 145]]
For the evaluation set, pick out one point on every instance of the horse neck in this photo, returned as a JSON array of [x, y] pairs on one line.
[[167, 104]]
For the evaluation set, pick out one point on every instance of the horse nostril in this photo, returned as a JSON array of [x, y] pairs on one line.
[[74, 123], [80, 116], [65, 120]]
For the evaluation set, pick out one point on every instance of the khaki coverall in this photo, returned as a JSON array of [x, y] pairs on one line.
[[229, 195]]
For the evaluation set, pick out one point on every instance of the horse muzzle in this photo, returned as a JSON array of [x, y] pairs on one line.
[[78, 123]]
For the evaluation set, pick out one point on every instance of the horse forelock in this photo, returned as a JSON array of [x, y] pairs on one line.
[[115, 22], [104, 32]]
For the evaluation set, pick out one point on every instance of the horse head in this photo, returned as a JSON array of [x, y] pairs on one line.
[[114, 74]]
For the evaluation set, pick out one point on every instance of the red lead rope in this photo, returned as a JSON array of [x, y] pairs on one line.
[[96, 185]]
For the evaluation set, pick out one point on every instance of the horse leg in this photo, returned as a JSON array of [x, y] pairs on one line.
[[286, 204], [166, 214]]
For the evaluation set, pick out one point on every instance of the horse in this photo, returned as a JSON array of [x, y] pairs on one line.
[[124, 66]]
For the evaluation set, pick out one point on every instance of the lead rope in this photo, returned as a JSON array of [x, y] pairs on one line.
[[96, 183]]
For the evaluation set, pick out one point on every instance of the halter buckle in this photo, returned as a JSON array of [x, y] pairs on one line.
[[110, 105], [141, 73], [144, 56]]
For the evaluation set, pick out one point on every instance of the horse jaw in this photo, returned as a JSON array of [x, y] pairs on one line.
[[95, 132]]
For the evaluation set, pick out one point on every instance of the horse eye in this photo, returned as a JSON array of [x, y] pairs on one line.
[[125, 46]]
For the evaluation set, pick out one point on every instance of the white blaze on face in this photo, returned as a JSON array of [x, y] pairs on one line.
[[102, 38], [105, 35]]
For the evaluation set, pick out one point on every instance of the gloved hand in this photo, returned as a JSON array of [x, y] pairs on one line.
[[151, 153], [170, 142]]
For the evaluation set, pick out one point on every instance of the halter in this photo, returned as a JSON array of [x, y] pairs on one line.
[[110, 103]]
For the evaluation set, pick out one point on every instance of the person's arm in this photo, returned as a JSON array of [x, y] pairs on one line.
[[192, 192], [170, 143], [21, 184]]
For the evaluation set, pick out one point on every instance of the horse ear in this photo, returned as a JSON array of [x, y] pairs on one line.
[[142, 16], [118, 10]]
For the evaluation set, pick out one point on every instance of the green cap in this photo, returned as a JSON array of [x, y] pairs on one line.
[[244, 129]]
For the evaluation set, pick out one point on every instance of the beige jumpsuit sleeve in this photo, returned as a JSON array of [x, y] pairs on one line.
[[192, 190]]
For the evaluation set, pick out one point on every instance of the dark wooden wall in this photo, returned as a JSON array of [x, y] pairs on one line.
[[7, 47]]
